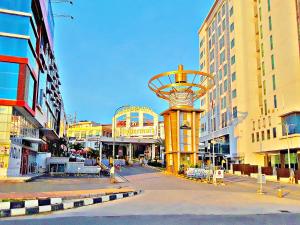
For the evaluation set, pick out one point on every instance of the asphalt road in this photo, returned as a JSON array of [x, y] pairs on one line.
[[170, 200]]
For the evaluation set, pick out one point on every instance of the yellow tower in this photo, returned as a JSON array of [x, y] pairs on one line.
[[181, 88]]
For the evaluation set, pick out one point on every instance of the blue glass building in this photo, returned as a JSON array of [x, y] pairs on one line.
[[31, 106]]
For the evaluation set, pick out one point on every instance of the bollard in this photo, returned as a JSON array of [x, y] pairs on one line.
[[279, 193]]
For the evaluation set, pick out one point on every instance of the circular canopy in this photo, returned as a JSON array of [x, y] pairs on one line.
[[176, 83]]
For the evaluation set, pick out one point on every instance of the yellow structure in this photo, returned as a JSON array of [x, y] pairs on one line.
[[181, 121], [253, 52], [134, 121], [84, 129]]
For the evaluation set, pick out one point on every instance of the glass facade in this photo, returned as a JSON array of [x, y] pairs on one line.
[[30, 89], [14, 24], [291, 124], [17, 5], [9, 74]]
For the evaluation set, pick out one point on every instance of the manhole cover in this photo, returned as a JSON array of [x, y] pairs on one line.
[[284, 211]]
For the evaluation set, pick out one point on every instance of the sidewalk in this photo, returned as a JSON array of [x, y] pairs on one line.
[[63, 194]]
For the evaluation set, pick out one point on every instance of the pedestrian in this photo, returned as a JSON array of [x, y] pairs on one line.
[[112, 174]]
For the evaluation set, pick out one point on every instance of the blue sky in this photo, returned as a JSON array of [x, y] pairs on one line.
[[107, 54]]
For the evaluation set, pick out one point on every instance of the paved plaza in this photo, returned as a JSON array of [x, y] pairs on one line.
[[171, 200]]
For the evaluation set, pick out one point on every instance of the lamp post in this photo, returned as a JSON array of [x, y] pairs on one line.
[[114, 130]]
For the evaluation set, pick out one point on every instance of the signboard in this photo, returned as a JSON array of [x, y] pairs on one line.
[[261, 179], [219, 174]]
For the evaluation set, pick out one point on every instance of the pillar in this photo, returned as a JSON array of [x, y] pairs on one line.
[[100, 152], [130, 151], [152, 151]]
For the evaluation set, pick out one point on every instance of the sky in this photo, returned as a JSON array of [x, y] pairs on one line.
[[109, 51]]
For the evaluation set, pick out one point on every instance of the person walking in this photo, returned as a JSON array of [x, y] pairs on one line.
[[112, 174]]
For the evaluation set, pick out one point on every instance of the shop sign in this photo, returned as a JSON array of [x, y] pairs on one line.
[[219, 174]]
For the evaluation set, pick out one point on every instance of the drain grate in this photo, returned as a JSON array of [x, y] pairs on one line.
[[284, 211]]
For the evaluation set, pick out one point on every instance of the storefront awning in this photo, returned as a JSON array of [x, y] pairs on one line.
[[34, 140], [49, 134]]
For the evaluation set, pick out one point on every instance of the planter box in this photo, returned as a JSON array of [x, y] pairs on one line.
[[253, 175], [237, 173]]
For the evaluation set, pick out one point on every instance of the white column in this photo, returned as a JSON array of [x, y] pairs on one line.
[[100, 152], [130, 151], [153, 151]]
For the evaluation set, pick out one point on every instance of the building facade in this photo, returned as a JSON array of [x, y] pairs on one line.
[[32, 116], [253, 109], [137, 122], [86, 129]]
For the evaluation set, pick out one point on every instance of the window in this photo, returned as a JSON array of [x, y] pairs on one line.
[[231, 27], [201, 42], [9, 74], [212, 68], [261, 32], [269, 5], [234, 93], [263, 68], [222, 57], [257, 136], [223, 102], [270, 23], [291, 124], [211, 55], [225, 85], [260, 13], [232, 43], [258, 124], [268, 134], [253, 125], [221, 42], [272, 62], [223, 25], [231, 11], [253, 138], [223, 9], [221, 89], [224, 120], [233, 60], [275, 101], [234, 112], [263, 135], [266, 108], [271, 42], [262, 49], [219, 31], [233, 76], [30, 89], [225, 69], [264, 87], [273, 82], [220, 74], [274, 132]]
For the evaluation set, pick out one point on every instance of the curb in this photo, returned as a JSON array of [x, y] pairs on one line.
[[31, 207]]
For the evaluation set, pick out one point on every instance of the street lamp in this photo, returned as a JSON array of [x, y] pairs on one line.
[[114, 130]]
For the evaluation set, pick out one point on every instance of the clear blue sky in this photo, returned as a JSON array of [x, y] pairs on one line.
[[107, 54]]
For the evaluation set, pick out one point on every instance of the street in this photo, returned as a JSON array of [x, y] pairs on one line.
[[171, 200]]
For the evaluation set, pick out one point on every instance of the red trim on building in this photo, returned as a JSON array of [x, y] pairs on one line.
[[13, 59], [22, 82], [19, 103]]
